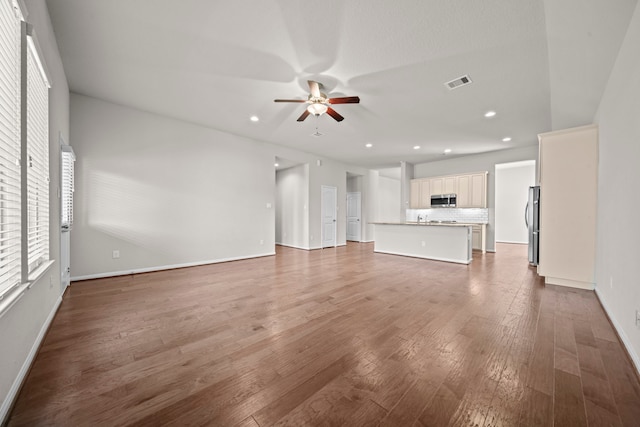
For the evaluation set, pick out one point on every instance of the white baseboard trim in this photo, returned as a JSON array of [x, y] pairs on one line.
[[623, 337], [165, 267], [550, 280], [512, 242], [293, 246], [17, 383]]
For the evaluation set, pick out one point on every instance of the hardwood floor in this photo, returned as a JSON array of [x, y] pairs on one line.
[[332, 337]]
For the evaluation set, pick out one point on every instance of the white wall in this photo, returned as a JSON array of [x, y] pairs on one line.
[[618, 232], [370, 205], [164, 192], [512, 189], [389, 200], [24, 325], [292, 201], [354, 184], [477, 163]]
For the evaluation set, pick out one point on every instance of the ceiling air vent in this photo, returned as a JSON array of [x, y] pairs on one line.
[[460, 81]]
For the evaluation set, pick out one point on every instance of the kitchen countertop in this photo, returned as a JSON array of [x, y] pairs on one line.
[[430, 223]]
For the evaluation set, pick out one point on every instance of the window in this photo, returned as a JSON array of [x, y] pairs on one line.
[[37, 163], [66, 210], [24, 156], [10, 197]]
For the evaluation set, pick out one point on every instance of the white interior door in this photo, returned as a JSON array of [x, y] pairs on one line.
[[329, 215], [354, 210]]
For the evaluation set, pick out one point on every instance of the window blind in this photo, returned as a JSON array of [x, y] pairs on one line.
[[10, 202], [66, 211], [37, 162]]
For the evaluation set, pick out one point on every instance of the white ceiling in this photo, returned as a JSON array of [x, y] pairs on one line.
[[540, 64]]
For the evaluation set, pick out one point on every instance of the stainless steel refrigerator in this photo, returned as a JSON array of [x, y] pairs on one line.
[[532, 220]]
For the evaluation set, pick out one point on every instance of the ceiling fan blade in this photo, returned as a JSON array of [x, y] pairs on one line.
[[289, 100], [314, 88], [333, 113], [303, 116], [345, 100]]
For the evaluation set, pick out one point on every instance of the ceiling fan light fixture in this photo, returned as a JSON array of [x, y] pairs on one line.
[[317, 108]]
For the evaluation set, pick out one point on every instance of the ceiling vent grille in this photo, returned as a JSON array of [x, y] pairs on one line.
[[459, 82]]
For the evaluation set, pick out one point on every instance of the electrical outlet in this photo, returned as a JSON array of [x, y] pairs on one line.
[[50, 282], [261, 242], [424, 243], [637, 317], [611, 282], [116, 254]]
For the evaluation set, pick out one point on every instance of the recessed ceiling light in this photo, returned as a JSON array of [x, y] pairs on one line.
[[489, 114], [369, 145], [254, 118], [506, 139], [276, 164], [447, 151], [416, 147]]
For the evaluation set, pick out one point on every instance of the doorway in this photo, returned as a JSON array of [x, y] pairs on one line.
[[329, 207], [512, 191]]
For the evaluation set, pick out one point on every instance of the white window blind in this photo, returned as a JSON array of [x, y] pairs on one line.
[[37, 161], [66, 211], [10, 203]]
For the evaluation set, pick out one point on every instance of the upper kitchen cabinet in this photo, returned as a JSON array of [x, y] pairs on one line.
[[414, 201], [568, 204], [437, 185], [450, 184], [420, 194], [472, 190]]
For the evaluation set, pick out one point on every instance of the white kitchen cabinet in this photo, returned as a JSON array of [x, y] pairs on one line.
[[425, 193], [472, 190], [568, 206], [437, 185], [479, 237], [478, 190], [420, 194], [450, 183], [476, 237], [463, 191], [416, 187]]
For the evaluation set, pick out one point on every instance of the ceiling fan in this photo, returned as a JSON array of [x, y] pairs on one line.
[[319, 102]]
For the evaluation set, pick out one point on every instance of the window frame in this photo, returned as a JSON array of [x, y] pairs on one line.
[[29, 64]]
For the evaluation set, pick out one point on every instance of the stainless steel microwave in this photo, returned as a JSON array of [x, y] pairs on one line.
[[443, 200]]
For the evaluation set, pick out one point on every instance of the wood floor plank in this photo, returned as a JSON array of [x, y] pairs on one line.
[[569, 408], [340, 336]]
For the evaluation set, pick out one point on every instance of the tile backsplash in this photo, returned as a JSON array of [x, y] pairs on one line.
[[479, 215]]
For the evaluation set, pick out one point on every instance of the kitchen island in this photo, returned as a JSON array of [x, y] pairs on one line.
[[438, 241]]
